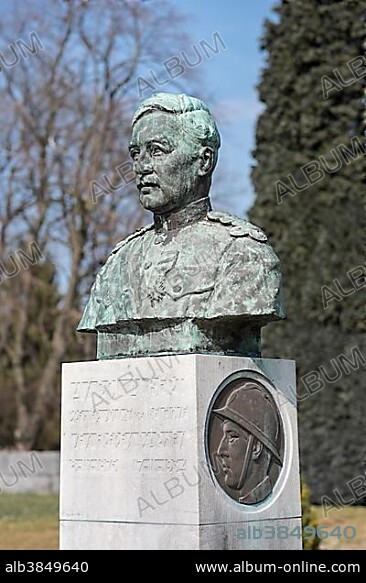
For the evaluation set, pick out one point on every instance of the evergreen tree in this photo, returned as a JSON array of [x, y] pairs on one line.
[[308, 178], [27, 349]]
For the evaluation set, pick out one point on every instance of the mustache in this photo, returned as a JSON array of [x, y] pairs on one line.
[[141, 182]]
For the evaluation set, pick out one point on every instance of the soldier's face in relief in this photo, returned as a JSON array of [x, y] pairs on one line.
[[165, 164], [231, 452]]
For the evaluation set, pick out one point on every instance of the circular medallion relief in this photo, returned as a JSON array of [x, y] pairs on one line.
[[244, 438]]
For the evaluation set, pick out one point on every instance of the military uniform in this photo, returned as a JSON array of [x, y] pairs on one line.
[[217, 267]]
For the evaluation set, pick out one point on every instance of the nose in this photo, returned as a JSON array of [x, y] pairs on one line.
[[222, 449], [143, 163]]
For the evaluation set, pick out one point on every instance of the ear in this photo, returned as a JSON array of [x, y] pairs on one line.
[[206, 159], [257, 449]]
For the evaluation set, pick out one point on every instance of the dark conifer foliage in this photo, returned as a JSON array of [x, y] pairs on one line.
[[308, 176]]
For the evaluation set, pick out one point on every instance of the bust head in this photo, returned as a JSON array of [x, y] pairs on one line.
[[250, 440], [174, 147]]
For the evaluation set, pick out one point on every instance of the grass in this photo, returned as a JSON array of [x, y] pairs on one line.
[[30, 522], [352, 516]]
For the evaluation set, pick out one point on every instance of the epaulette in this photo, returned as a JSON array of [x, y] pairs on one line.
[[133, 236], [238, 227]]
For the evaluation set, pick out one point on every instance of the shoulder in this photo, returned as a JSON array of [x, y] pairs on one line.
[[131, 237], [237, 228], [113, 261], [248, 244]]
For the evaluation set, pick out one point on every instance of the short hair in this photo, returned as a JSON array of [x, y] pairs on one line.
[[197, 121]]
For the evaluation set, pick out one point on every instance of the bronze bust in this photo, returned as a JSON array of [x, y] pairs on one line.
[[194, 280]]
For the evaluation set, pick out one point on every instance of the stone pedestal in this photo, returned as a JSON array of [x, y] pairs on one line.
[[148, 459]]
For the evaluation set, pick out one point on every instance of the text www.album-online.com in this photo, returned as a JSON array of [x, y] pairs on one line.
[[301, 567]]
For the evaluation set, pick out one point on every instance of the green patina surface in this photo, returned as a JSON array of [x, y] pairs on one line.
[[194, 280]]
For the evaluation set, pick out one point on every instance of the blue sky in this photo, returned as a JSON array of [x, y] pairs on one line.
[[227, 82], [230, 78]]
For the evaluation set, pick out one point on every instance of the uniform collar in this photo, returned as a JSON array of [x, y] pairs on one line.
[[191, 213], [258, 493]]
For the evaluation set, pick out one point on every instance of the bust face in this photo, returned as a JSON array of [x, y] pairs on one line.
[[231, 452], [165, 163]]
